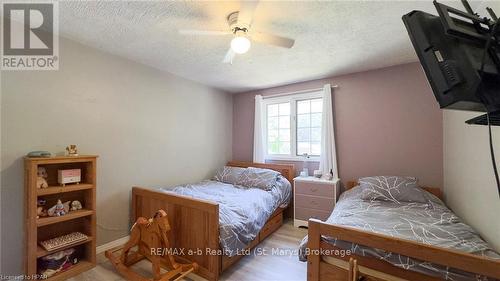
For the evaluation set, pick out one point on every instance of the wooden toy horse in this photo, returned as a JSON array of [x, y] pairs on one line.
[[150, 239]]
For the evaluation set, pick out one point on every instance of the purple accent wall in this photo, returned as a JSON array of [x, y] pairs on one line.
[[387, 122]]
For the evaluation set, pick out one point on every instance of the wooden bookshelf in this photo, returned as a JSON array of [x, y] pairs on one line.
[[43, 228]]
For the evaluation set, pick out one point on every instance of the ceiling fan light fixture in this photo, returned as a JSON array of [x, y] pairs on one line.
[[240, 44]]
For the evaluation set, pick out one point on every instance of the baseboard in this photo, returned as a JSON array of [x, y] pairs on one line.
[[112, 244]]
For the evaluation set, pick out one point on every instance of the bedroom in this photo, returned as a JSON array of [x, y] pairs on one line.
[[163, 104]]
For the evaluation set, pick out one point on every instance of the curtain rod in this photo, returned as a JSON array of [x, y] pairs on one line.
[[296, 92]]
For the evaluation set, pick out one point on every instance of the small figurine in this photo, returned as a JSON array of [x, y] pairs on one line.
[[40, 210], [72, 150], [76, 205], [41, 180], [59, 209]]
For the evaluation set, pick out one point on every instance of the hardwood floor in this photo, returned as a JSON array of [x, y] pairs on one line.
[[253, 267]]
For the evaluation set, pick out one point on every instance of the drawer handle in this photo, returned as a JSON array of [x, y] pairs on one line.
[[314, 189], [314, 202]]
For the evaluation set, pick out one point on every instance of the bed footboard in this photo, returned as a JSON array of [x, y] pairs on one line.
[[317, 269], [194, 222]]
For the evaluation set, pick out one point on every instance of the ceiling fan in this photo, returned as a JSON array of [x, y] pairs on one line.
[[240, 23]]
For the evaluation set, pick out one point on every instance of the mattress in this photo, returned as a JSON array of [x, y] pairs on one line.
[[242, 211], [429, 223]]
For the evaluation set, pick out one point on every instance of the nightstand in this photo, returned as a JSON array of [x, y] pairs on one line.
[[313, 198]]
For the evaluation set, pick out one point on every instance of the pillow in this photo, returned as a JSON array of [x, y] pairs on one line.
[[228, 174], [259, 178], [391, 188]]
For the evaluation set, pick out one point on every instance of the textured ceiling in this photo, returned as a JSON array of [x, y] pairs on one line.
[[332, 38]]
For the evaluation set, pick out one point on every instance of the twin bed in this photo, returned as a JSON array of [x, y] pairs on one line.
[[213, 222], [389, 240]]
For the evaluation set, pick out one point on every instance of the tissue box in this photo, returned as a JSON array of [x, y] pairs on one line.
[[69, 176]]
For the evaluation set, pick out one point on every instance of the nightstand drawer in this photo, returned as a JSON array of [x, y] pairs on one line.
[[306, 214], [315, 189], [314, 202]]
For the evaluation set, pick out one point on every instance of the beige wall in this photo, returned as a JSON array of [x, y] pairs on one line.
[[469, 183], [150, 128]]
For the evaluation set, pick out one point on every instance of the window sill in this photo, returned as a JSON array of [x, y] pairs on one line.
[[291, 158]]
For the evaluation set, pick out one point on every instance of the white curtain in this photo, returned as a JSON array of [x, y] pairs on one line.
[[258, 128], [328, 158]]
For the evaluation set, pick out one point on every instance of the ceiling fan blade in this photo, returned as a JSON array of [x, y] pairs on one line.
[[229, 56], [273, 39], [246, 12], [204, 32]]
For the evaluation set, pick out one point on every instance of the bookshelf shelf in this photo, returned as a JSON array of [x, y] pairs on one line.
[[71, 216], [40, 251], [78, 268], [62, 189]]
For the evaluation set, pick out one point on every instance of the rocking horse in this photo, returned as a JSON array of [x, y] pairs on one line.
[[149, 237]]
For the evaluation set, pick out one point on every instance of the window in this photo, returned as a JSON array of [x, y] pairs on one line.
[[293, 126], [278, 128], [309, 126]]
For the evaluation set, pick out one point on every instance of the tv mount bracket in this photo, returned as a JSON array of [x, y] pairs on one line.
[[457, 23], [452, 18]]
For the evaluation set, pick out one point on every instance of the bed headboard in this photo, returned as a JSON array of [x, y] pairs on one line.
[[286, 170], [434, 190]]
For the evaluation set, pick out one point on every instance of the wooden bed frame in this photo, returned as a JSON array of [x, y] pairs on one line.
[[355, 267], [195, 222]]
